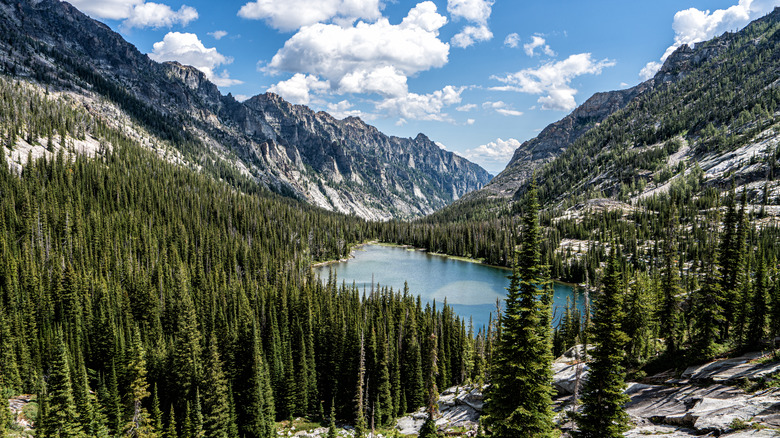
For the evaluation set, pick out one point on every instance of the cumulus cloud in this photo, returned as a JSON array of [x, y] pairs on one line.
[[344, 109], [693, 25], [422, 106], [466, 108], [137, 13], [187, 49], [218, 34], [289, 15], [111, 9], [470, 121], [368, 57], [471, 35], [512, 40], [475, 11], [649, 70], [493, 155], [299, 88], [537, 42], [158, 15], [553, 79], [501, 108]]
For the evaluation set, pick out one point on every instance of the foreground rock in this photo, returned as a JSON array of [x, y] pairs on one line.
[[706, 400], [460, 407]]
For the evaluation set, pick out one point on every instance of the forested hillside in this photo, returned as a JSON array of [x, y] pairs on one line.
[[340, 165], [140, 296]]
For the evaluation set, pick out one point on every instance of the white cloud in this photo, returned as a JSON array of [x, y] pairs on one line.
[[299, 88], [289, 15], [693, 25], [466, 108], [111, 9], [537, 42], [218, 34], [512, 40], [650, 70], [501, 108], [470, 35], [440, 145], [386, 81], [158, 15], [241, 97], [494, 155], [344, 109], [368, 57], [187, 49], [470, 121], [476, 12], [423, 106], [554, 80], [137, 13]]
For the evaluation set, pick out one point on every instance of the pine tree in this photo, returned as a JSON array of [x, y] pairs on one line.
[[215, 394], [360, 417], [429, 429], [332, 420], [5, 412], [170, 431], [518, 402], [140, 425], [707, 307], [669, 311], [61, 419], [758, 310], [157, 415], [603, 413]]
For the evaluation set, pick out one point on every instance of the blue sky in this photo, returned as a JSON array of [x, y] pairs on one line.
[[477, 76]]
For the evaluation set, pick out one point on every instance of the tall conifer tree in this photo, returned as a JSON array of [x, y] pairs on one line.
[[518, 401], [603, 413]]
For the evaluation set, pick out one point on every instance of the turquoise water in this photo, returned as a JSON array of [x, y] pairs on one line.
[[470, 288]]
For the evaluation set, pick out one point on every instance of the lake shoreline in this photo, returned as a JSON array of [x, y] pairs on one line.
[[357, 247]]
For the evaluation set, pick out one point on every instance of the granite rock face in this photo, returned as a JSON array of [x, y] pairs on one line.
[[341, 165]]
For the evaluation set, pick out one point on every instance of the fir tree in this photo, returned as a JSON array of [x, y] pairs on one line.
[[216, 407], [518, 401], [170, 431], [61, 418], [332, 420], [5, 413], [140, 425], [603, 413], [758, 310], [669, 311], [360, 396], [708, 309]]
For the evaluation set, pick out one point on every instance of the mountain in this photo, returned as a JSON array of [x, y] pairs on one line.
[[558, 136], [714, 105], [341, 165]]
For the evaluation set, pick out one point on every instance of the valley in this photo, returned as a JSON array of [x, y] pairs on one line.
[[179, 263]]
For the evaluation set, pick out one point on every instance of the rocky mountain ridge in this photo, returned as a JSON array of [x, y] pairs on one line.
[[554, 139], [342, 165]]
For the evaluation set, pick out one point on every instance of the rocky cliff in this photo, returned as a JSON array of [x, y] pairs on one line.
[[343, 165]]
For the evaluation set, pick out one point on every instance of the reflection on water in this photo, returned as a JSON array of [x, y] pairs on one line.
[[470, 288]]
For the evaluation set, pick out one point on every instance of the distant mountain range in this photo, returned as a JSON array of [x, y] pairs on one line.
[[341, 165]]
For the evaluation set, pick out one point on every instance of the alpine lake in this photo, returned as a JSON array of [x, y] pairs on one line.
[[470, 288]]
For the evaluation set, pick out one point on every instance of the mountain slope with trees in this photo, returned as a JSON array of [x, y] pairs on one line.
[[341, 165]]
